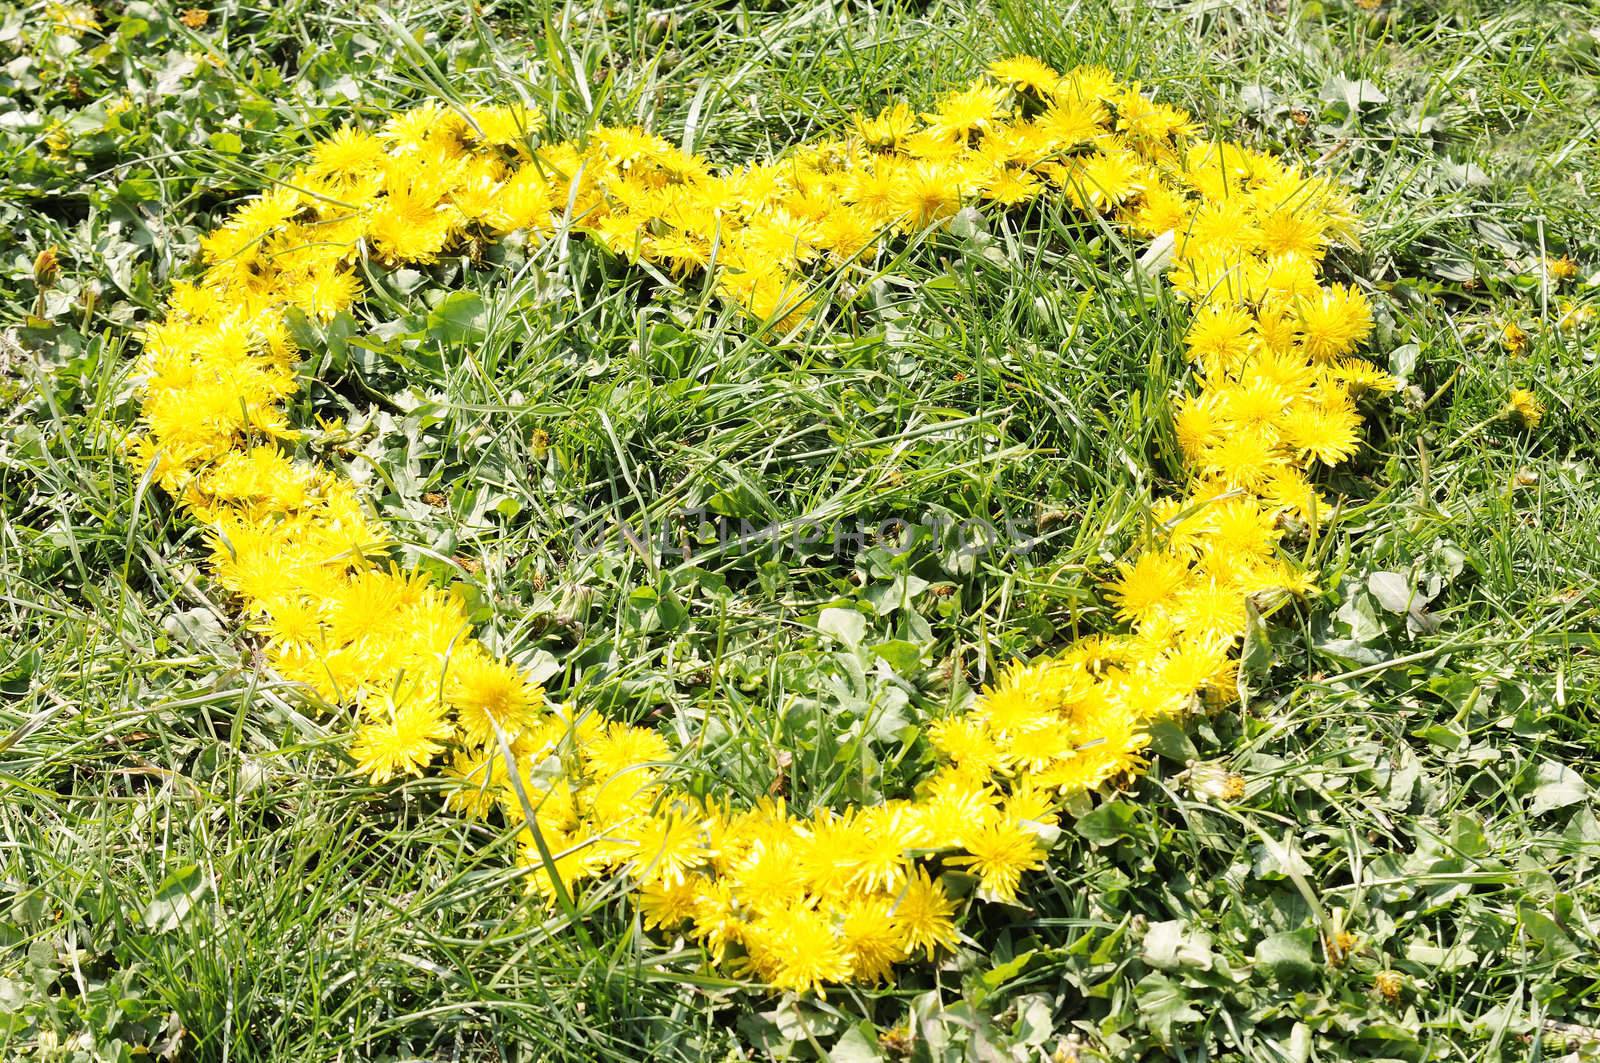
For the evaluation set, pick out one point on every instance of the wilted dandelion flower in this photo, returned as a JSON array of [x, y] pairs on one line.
[[1575, 316], [1561, 269], [1212, 782], [1513, 337], [1524, 407]]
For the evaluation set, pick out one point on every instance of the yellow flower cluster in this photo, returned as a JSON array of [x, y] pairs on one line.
[[796, 901]]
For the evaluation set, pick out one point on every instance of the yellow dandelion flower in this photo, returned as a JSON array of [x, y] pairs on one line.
[[889, 128], [1359, 376], [1246, 458], [620, 747], [1148, 585], [1561, 269], [960, 113], [1197, 422], [795, 947], [668, 845], [1220, 337], [1008, 187], [1069, 123], [999, 855], [869, 938], [1025, 73], [1334, 322], [487, 694], [401, 740], [1106, 178], [1323, 433], [923, 915], [346, 155], [481, 779], [927, 193], [668, 905], [717, 921]]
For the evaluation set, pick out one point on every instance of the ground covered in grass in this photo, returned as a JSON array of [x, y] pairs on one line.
[[1383, 849]]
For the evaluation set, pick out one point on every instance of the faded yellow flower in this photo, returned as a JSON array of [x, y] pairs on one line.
[[1523, 407]]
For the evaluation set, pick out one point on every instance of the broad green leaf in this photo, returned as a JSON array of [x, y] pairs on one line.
[[846, 625], [1167, 739], [1393, 590], [1288, 955], [459, 318], [904, 657], [856, 1046], [1170, 944], [1557, 786], [174, 898], [1108, 824], [1163, 1002]]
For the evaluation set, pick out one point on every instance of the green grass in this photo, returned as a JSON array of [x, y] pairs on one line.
[[187, 869]]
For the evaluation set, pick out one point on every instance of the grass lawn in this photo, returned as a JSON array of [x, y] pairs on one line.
[[1385, 848]]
